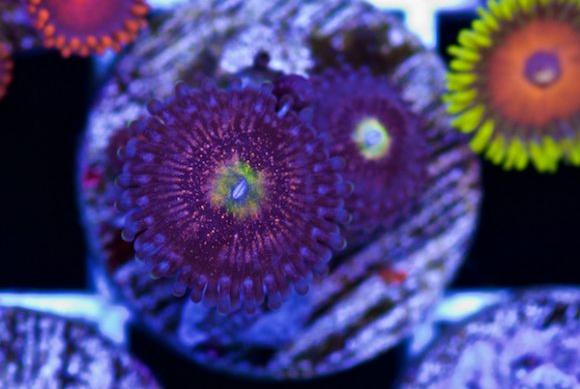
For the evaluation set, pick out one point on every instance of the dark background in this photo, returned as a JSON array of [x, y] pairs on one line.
[[528, 232]]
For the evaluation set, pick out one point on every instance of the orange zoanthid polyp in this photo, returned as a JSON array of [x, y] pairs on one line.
[[6, 67], [515, 95], [514, 82], [84, 27]]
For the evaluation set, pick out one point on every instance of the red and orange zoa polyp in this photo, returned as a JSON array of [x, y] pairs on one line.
[[514, 83], [84, 27], [6, 67]]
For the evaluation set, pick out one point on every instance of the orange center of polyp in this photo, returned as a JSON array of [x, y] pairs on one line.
[[534, 74]]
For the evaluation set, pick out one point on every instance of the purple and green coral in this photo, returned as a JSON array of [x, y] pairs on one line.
[[356, 108], [236, 199], [384, 144]]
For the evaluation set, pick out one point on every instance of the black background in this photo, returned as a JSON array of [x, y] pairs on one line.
[[528, 232]]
